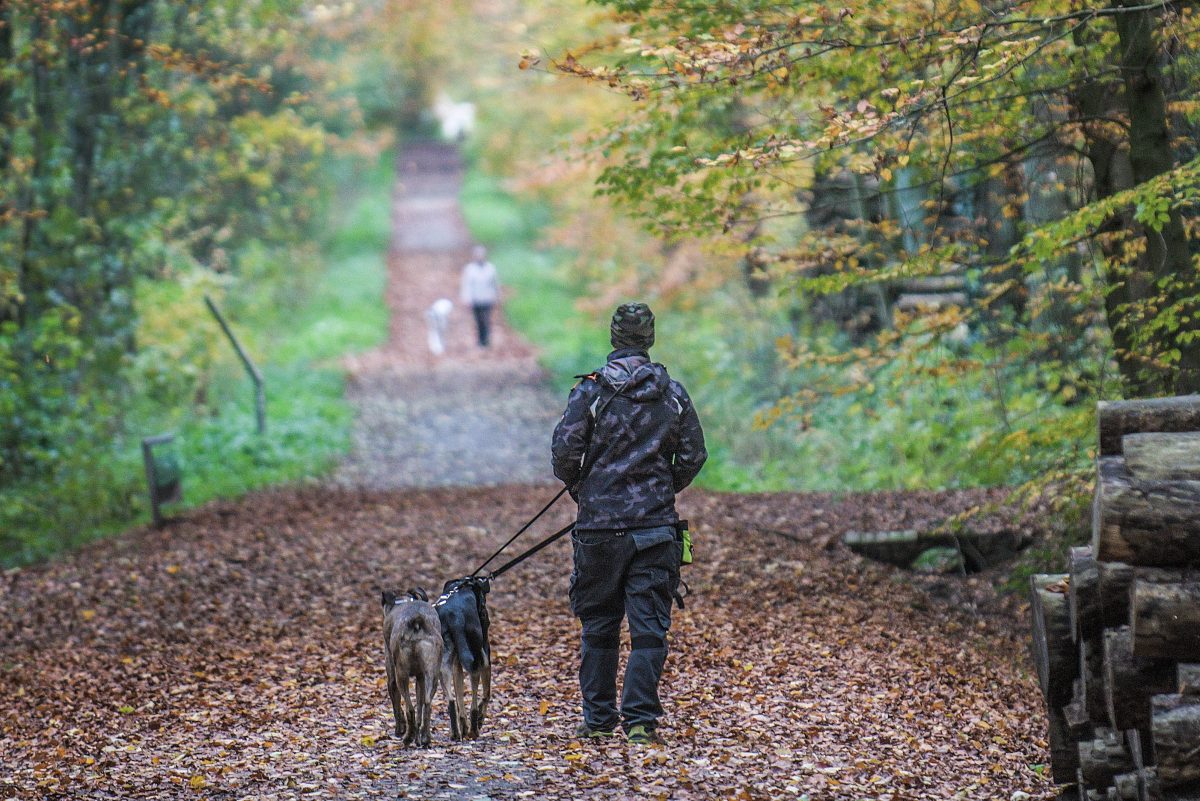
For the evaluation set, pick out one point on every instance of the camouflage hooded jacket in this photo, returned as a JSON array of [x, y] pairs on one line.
[[646, 444]]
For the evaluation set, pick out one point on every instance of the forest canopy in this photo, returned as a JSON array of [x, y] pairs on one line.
[[995, 195]]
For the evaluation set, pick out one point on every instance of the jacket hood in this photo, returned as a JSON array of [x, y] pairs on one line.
[[634, 375]]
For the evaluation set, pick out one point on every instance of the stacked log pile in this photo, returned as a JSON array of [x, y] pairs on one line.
[[1116, 639]]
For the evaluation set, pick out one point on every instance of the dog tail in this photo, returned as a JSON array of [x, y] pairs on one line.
[[466, 656], [417, 624]]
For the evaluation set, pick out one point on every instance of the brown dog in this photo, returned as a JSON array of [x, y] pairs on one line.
[[412, 637]]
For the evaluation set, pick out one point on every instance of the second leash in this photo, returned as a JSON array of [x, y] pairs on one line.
[[521, 531], [562, 532]]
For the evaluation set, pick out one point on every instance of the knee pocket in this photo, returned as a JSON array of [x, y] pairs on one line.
[[644, 642]]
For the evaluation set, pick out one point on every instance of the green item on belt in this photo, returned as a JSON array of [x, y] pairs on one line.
[[685, 537]]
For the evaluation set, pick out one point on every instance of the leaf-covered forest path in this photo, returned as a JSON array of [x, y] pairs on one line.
[[236, 654]]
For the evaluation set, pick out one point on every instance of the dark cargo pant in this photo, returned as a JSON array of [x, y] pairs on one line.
[[618, 574]]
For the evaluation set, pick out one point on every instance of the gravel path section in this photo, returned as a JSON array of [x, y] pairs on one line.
[[470, 417]]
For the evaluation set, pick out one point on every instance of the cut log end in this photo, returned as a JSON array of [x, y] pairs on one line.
[[1115, 419], [1176, 726]]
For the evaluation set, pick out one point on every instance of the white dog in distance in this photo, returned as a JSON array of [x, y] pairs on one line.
[[438, 319]]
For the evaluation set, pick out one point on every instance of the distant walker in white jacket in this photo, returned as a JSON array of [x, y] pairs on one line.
[[481, 291]]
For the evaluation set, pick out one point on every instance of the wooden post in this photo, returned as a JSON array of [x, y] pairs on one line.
[[260, 396], [148, 462]]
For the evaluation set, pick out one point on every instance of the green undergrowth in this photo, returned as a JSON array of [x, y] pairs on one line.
[[911, 433], [296, 310]]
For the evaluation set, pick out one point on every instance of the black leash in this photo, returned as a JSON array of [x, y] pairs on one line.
[[510, 564], [583, 471], [523, 529]]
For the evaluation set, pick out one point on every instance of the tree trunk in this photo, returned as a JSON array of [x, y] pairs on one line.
[[1150, 155], [979, 549], [1115, 419], [1129, 682], [1108, 153], [1003, 231], [6, 90], [1166, 620], [1176, 739], [32, 281], [1150, 523], [1054, 652], [1163, 457]]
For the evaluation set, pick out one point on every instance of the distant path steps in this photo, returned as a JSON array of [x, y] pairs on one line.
[[470, 426]]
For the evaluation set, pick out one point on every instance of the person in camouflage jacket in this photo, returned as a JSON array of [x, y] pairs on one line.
[[628, 441]]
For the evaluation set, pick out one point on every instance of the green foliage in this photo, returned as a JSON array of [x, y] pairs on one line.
[[149, 155], [939, 430], [185, 379], [828, 158]]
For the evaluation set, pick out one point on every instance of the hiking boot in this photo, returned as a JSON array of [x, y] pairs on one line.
[[640, 735], [586, 732]]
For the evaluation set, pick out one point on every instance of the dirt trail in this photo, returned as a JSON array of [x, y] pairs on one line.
[[237, 654], [471, 416]]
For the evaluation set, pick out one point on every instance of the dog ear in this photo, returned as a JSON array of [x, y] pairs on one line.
[[418, 594], [389, 598]]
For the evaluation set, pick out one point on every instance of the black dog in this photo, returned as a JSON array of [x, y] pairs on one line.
[[462, 609]]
